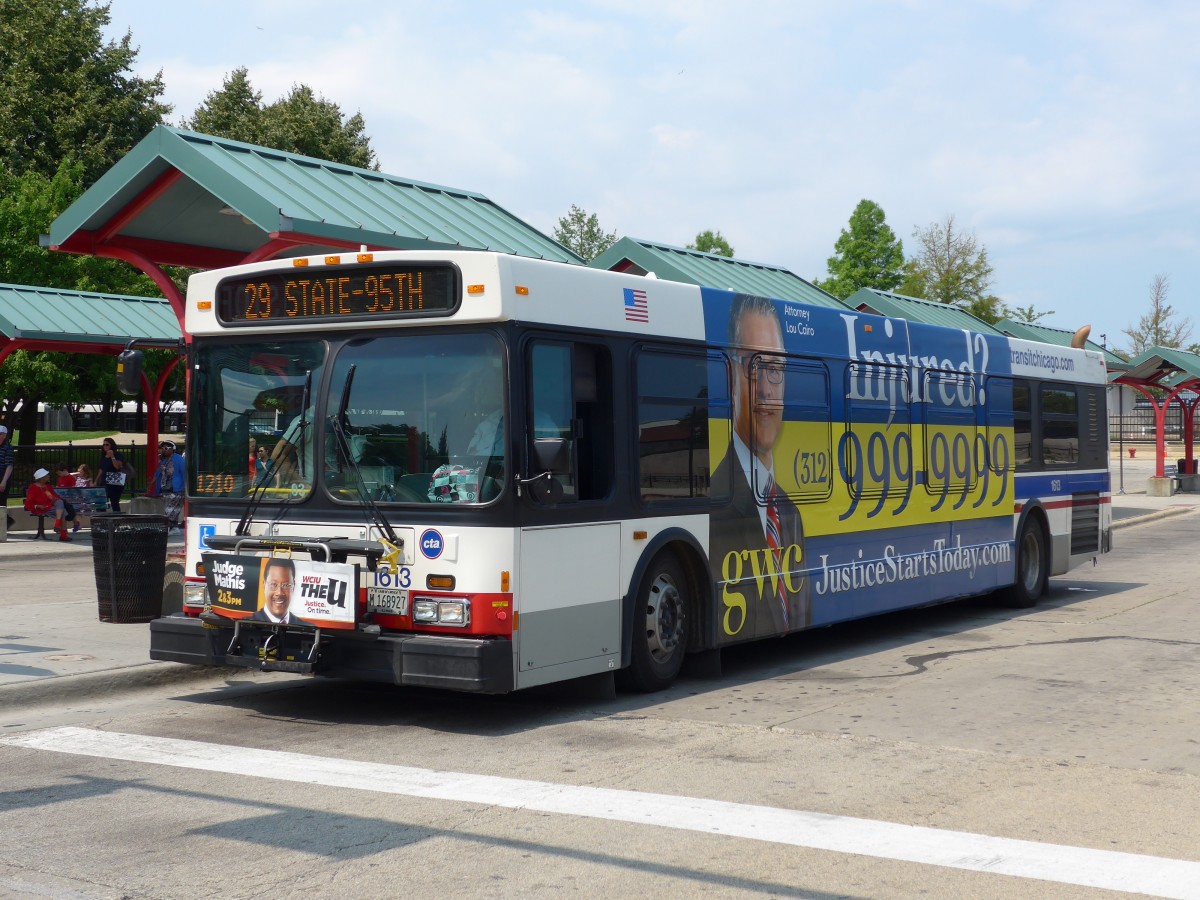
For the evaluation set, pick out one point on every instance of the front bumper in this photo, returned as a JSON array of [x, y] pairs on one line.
[[478, 665]]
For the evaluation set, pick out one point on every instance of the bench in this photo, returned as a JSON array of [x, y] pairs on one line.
[[41, 524], [25, 521]]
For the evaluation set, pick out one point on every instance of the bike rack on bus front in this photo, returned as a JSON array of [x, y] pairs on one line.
[[335, 550]]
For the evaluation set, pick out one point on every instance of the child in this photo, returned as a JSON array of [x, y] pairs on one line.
[[41, 499], [66, 479]]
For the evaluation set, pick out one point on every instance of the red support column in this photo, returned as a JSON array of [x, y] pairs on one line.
[[153, 271], [153, 400], [1189, 410], [1160, 437]]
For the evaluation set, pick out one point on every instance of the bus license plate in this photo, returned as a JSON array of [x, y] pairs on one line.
[[390, 601]]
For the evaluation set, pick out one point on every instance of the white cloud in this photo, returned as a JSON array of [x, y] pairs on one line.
[[1063, 133]]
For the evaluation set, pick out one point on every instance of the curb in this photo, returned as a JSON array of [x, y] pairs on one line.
[[23, 554], [1152, 517], [129, 679]]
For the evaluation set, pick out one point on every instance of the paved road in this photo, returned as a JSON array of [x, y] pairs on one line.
[[964, 751]]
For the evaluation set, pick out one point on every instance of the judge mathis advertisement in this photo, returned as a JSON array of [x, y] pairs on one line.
[[275, 589]]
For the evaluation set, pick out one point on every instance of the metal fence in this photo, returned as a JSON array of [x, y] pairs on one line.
[[50, 456], [1138, 425]]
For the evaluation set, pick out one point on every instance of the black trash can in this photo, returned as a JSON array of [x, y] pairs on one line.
[[129, 553]]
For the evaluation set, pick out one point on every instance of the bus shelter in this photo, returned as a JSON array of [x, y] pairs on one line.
[[38, 318], [1165, 375], [179, 198]]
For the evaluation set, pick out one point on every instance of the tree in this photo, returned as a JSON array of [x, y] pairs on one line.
[[65, 93], [1027, 314], [300, 123], [234, 112], [952, 267], [29, 203], [69, 109], [1161, 326], [581, 232], [867, 255], [711, 242], [27, 379]]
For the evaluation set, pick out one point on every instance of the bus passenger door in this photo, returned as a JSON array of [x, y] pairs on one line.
[[568, 591]]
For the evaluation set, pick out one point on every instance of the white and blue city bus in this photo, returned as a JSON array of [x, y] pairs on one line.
[[484, 472]]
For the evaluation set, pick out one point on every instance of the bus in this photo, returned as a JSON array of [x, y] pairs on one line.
[[488, 472]]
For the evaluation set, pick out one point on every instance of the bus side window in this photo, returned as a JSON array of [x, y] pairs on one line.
[[570, 391]]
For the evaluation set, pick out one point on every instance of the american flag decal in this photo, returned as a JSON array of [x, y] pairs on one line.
[[637, 308]]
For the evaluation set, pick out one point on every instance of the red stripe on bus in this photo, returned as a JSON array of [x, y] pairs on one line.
[[1062, 504]]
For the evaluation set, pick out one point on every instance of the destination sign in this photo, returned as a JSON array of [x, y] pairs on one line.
[[312, 294]]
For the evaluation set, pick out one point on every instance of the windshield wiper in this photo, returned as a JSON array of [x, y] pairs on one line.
[[260, 486], [303, 421], [338, 421]]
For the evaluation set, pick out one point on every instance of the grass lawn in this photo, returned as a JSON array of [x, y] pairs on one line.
[[78, 437]]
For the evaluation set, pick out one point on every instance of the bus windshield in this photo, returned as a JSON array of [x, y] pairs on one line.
[[424, 421], [249, 411]]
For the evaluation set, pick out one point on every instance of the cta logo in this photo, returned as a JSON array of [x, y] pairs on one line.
[[432, 543]]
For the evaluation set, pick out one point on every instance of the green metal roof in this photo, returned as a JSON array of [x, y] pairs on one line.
[[82, 317], [1060, 336], [930, 312], [1163, 367], [708, 269], [181, 198]]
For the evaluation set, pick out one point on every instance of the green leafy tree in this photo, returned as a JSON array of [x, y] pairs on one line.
[[29, 202], [235, 111], [711, 242], [66, 93], [70, 107], [581, 232], [952, 267], [29, 378], [1161, 326], [301, 122], [866, 254], [1028, 314]]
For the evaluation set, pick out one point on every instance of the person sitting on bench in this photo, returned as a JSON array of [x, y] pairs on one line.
[[41, 500]]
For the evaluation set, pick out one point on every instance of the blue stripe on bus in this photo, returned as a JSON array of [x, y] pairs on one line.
[[1045, 484]]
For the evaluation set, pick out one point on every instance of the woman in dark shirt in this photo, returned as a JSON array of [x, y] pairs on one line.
[[112, 473]]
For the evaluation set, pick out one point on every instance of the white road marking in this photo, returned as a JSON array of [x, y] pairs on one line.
[[1131, 872]]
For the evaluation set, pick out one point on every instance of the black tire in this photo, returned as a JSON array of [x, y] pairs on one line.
[[1033, 567], [660, 627]]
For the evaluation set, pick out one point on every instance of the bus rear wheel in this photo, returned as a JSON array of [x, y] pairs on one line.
[[1033, 567], [660, 627]]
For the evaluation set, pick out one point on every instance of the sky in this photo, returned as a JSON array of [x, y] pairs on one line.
[[1063, 135]]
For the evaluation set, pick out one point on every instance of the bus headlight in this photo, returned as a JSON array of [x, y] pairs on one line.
[[193, 593], [432, 611]]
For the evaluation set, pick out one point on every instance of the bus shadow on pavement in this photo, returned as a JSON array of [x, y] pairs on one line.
[[960, 620], [340, 702]]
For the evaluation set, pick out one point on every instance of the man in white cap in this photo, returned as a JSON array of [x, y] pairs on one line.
[[7, 461]]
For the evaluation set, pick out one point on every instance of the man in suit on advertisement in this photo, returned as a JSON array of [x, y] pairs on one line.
[[757, 539], [279, 580]]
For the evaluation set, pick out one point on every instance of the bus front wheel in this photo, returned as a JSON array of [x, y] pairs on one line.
[[660, 627], [1033, 567]]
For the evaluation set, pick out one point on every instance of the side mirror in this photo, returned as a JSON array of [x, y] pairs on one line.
[[129, 372], [545, 488], [552, 455]]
